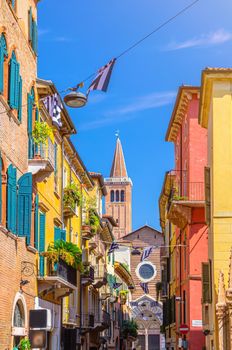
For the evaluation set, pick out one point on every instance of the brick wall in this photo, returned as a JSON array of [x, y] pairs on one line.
[[145, 237]]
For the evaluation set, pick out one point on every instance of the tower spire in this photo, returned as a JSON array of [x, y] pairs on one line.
[[118, 169]]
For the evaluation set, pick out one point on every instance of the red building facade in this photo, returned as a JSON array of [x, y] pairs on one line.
[[186, 211]]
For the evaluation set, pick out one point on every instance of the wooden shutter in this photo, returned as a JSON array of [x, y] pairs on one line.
[[63, 235], [42, 227], [206, 283], [34, 36], [36, 221], [24, 206], [0, 188], [20, 99], [11, 199], [30, 25], [29, 125], [57, 233], [207, 196], [13, 70], [1, 68]]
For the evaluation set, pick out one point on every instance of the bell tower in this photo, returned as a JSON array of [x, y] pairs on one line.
[[119, 194]]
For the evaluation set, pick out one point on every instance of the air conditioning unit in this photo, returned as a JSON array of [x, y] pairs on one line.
[[41, 319]]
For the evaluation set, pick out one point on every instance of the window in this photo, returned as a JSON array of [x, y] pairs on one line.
[[33, 32], [122, 196], [19, 319], [112, 196], [117, 196], [206, 283], [30, 106], [15, 86], [3, 56], [11, 198], [207, 196]]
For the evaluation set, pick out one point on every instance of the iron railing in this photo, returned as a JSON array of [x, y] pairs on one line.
[[44, 152], [62, 270], [87, 320]]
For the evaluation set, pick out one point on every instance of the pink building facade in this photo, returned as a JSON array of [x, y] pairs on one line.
[[187, 214]]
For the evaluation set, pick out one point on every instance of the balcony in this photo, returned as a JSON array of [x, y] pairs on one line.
[[183, 197], [70, 316], [86, 232], [102, 320], [59, 281], [42, 161], [87, 322], [100, 276], [69, 211], [87, 277]]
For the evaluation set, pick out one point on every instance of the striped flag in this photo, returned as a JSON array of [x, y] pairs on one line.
[[54, 106], [102, 79], [146, 252], [144, 287], [113, 246]]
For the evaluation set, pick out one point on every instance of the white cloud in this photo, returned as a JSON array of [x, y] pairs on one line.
[[214, 38], [62, 39], [129, 111], [42, 32]]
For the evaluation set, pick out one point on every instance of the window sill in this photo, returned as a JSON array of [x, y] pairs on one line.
[[8, 110], [31, 249], [56, 194]]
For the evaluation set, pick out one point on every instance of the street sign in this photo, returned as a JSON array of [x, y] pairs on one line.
[[184, 329]]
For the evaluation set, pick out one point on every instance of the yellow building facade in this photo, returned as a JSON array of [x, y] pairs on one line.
[[215, 115]]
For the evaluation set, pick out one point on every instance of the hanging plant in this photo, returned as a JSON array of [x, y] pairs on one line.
[[24, 344], [66, 251], [72, 196], [41, 132], [123, 293], [94, 221]]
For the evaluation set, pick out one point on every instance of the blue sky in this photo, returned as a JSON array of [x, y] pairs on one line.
[[77, 37]]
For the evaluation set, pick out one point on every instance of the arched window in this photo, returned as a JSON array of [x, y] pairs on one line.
[[3, 56], [112, 196], [122, 196], [117, 196], [19, 317], [15, 86]]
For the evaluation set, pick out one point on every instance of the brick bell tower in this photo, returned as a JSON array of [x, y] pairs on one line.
[[119, 194]]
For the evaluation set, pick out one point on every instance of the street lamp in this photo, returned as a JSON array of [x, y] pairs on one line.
[[75, 99]]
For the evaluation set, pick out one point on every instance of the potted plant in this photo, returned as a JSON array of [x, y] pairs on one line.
[[94, 221], [40, 135], [129, 329], [72, 196], [24, 344], [66, 251]]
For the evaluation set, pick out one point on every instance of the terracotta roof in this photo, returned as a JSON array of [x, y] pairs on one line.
[[100, 178], [119, 166], [179, 111], [139, 229]]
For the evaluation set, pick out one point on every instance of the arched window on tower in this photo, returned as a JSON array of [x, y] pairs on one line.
[[112, 196], [117, 196], [122, 196]]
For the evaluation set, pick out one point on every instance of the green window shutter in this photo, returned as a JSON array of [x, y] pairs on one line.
[[30, 24], [14, 82], [36, 221], [63, 235], [11, 198], [207, 196], [0, 188], [42, 228], [57, 233], [3, 54], [20, 99], [30, 102], [206, 283], [34, 37], [1, 70], [24, 206]]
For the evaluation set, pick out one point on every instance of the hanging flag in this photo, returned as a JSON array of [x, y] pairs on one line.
[[102, 79], [113, 246], [54, 107], [144, 287], [146, 252], [116, 285]]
